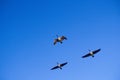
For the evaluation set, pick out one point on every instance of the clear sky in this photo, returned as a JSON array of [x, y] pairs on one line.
[[28, 28]]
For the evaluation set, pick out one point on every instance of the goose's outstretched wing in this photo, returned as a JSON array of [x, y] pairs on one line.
[[63, 37], [55, 41], [95, 51], [63, 64], [55, 67], [87, 55]]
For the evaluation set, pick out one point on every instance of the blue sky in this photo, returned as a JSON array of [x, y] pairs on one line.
[[28, 28]]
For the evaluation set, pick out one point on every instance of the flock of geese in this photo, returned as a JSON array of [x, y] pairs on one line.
[[60, 40]]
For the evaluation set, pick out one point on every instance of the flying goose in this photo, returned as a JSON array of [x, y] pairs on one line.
[[59, 39], [91, 53], [59, 66]]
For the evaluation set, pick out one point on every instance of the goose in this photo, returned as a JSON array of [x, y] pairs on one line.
[[59, 66], [91, 53], [59, 39]]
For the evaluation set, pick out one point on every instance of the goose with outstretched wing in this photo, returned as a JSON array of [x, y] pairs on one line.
[[59, 39], [59, 66], [91, 53]]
